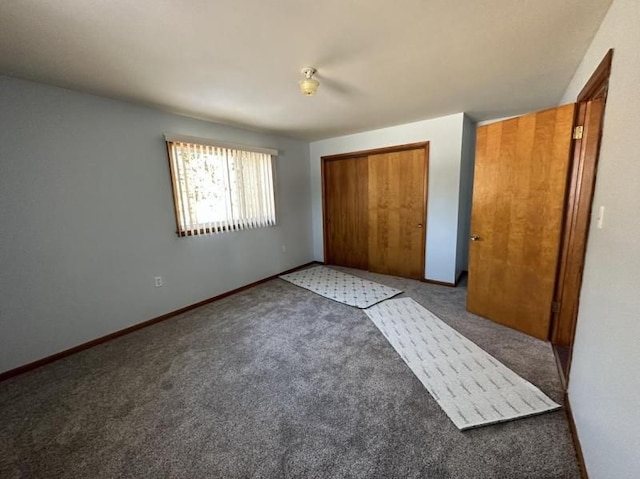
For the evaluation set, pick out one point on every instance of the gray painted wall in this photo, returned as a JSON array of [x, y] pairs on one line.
[[466, 193], [87, 220], [445, 144], [604, 384]]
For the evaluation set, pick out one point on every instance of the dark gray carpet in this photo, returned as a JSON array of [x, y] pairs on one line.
[[273, 382]]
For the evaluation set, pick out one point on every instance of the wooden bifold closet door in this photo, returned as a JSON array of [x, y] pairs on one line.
[[375, 210]]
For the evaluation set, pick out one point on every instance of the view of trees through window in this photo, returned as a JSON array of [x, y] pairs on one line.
[[219, 189]]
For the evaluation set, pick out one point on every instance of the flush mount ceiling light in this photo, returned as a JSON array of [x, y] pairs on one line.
[[309, 85]]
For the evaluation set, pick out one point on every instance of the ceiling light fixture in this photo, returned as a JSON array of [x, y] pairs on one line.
[[309, 86]]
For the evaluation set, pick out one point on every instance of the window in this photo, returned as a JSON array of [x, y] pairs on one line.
[[219, 187]]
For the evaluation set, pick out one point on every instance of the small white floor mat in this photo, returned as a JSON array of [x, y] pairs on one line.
[[472, 387], [341, 287]]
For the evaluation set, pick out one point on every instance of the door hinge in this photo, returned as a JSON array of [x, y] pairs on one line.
[[555, 307], [577, 132]]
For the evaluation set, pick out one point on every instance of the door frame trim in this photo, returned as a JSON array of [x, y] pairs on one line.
[[376, 151], [578, 206]]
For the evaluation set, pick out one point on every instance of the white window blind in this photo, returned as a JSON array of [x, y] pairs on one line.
[[219, 188]]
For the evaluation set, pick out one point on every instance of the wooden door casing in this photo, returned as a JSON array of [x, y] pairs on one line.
[[518, 200], [590, 115], [397, 212], [577, 223]]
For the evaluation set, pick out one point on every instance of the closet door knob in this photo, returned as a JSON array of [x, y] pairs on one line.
[[419, 225]]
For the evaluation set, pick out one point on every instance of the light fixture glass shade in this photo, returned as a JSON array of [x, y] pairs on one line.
[[309, 86]]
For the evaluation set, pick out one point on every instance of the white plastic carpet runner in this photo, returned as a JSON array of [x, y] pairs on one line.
[[472, 387], [341, 287]]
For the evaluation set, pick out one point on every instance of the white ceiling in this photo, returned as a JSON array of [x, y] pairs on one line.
[[380, 62]]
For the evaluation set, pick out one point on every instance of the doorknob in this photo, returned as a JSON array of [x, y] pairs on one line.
[[419, 225], [474, 238]]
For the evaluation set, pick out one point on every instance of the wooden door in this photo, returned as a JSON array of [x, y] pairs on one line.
[[346, 212], [518, 200], [397, 212]]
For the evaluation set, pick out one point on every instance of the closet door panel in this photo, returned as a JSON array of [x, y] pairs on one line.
[[397, 212], [346, 212]]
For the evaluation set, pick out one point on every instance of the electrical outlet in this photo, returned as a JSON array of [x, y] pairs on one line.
[[158, 280], [284, 248]]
